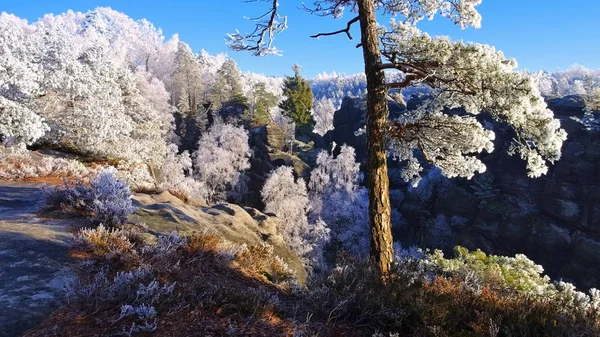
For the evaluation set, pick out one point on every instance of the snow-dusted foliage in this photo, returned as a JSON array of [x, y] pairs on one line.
[[20, 76], [111, 200], [571, 81], [288, 199], [477, 78], [221, 159], [323, 110], [87, 75], [589, 121], [106, 199], [18, 163], [336, 86], [177, 174], [432, 184], [337, 199]]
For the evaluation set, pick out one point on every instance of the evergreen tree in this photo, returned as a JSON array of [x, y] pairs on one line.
[[298, 102], [186, 81], [228, 86], [262, 102]]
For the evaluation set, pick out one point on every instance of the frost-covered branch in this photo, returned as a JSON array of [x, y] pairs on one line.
[[475, 78], [260, 41]]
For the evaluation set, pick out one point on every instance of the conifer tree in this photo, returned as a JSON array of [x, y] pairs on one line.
[[298, 102], [473, 76], [228, 86], [262, 102]]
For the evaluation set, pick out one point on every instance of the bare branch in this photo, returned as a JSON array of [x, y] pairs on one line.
[[345, 30]]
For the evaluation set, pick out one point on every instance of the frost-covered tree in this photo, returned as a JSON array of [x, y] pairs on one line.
[[336, 86], [187, 80], [20, 76], [221, 159], [288, 198], [470, 76], [323, 110], [80, 73], [177, 174], [337, 198], [228, 86]]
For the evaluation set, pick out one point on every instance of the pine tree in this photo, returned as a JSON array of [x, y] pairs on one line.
[[473, 76], [228, 86], [298, 102], [262, 102]]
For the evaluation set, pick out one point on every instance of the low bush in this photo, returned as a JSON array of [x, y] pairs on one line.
[[106, 200], [473, 294]]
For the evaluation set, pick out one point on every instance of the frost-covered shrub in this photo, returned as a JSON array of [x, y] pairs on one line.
[[106, 200], [261, 259], [517, 273], [110, 244], [176, 175], [337, 199], [111, 200], [221, 159], [427, 295]]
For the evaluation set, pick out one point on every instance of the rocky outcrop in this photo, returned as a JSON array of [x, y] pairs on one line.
[[571, 105], [268, 144], [350, 118], [164, 213]]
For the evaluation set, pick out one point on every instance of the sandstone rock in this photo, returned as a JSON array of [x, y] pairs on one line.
[[583, 261], [301, 169], [165, 213], [572, 105], [549, 242]]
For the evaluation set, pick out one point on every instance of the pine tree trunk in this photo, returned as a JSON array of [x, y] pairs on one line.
[[382, 249]]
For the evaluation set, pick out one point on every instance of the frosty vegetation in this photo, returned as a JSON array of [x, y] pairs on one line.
[[109, 89]]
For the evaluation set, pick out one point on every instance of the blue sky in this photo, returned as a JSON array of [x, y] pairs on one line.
[[540, 34]]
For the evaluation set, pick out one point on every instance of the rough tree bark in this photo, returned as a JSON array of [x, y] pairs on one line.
[[382, 251]]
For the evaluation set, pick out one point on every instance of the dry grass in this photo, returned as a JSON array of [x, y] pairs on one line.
[[248, 295]]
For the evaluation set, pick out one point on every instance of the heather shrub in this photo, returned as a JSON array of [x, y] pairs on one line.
[[262, 260], [132, 285], [18, 163], [110, 244], [105, 200], [473, 294]]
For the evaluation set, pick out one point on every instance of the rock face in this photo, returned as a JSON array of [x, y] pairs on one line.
[[33, 252], [350, 118], [268, 144], [572, 105], [165, 213]]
